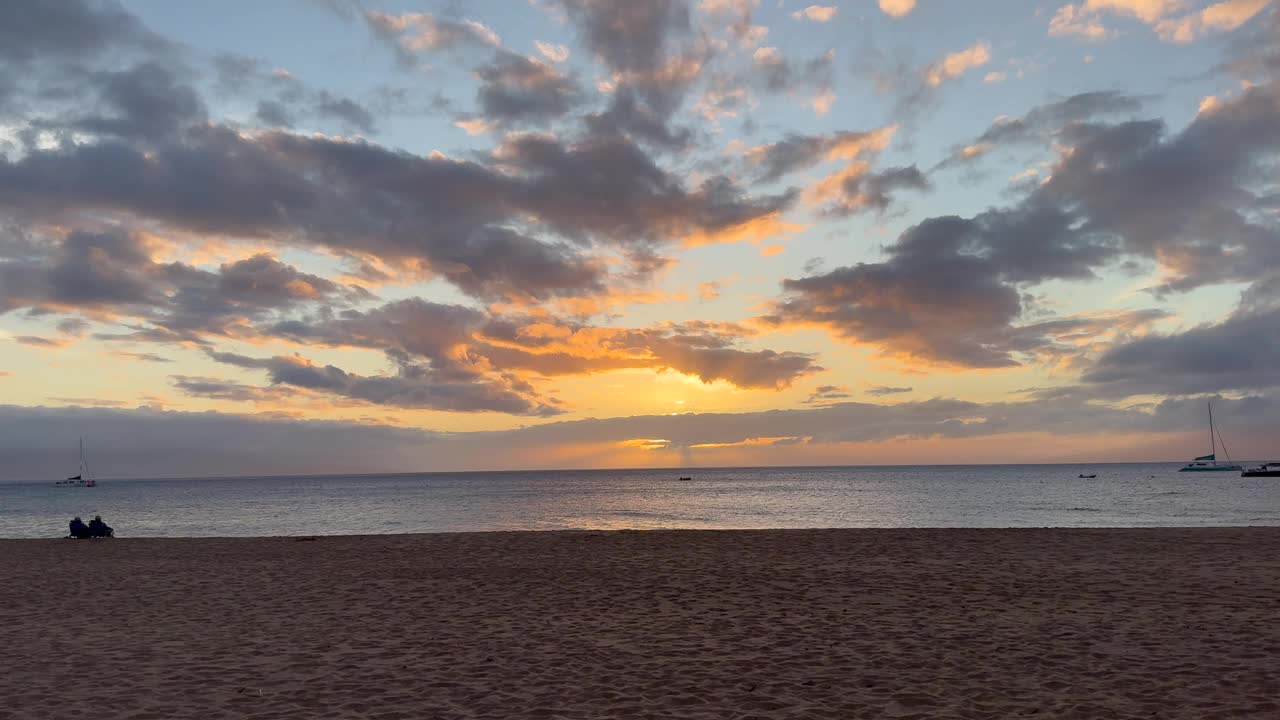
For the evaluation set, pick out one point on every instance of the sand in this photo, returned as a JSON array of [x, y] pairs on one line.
[[670, 624]]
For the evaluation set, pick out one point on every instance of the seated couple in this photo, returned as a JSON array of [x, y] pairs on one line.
[[95, 529]]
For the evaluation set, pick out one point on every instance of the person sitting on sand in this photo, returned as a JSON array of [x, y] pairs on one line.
[[79, 530], [97, 528]]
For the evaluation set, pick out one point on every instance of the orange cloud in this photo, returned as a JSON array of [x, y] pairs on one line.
[[816, 13], [755, 230], [958, 63], [897, 8], [749, 442], [1085, 19]]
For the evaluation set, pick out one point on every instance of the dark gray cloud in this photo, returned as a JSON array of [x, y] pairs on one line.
[[776, 73], [1187, 200], [283, 100], [649, 47], [1051, 117], [630, 37], [1239, 353], [1254, 53], [863, 191], [948, 291], [359, 198], [456, 339], [146, 101], [112, 272], [345, 110], [951, 289], [414, 385], [882, 390], [143, 442], [1043, 122], [38, 31], [798, 152], [827, 394], [626, 115], [74, 327], [518, 90], [218, 389]]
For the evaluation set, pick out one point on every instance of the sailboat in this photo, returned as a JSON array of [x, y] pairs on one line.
[[1209, 463], [85, 478]]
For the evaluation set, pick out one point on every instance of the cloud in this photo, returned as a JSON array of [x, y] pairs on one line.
[[416, 32], [288, 100], [40, 342], [143, 443], [857, 188], [701, 350], [1043, 122], [147, 443], [352, 197], [947, 293], [414, 385], [515, 89], [799, 152], [34, 32], [827, 393], [1224, 16], [630, 37], [897, 8], [951, 290], [778, 74], [817, 13], [459, 340], [883, 390], [552, 52], [143, 357], [957, 63], [1075, 20], [1184, 200], [626, 116], [1240, 353], [1085, 19], [111, 273], [218, 389], [740, 13]]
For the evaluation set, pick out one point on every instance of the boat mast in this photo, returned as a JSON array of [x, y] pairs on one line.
[[1213, 444]]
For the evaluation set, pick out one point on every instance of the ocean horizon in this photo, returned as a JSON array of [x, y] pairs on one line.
[[795, 497]]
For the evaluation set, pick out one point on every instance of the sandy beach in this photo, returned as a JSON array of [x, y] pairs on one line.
[[667, 624]]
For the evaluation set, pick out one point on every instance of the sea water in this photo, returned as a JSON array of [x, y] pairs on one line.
[[1122, 495]]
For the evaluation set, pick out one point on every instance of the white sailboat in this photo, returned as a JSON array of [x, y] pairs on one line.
[[1209, 463], [85, 478]]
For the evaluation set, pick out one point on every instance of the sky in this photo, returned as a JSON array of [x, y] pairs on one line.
[[355, 236]]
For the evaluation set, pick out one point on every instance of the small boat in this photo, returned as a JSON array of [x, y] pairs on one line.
[[1263, 470], [1087, 477], [684, 479], [1209, 463], [85, 478]]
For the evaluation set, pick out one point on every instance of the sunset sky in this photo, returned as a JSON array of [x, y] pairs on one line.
[[339, 236]]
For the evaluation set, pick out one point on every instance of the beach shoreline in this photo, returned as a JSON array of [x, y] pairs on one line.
[[972, 623]]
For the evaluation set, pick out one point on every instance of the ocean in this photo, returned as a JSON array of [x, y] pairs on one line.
[[1123, 495]]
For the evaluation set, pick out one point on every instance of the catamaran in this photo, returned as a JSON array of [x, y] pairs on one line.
[[85, 478], [1209, 463]]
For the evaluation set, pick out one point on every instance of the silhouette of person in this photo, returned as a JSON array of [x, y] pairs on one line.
[[79, 529], [97, 528]]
